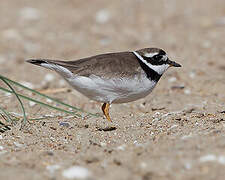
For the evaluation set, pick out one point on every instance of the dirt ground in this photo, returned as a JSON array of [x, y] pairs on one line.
[[177, 132]]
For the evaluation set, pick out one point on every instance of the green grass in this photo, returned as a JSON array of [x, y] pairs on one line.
[[9, 118]]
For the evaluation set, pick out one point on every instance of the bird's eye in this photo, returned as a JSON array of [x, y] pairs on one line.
[[157, 57]]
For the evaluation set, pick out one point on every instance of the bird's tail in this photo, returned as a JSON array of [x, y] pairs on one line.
[[53, 65]]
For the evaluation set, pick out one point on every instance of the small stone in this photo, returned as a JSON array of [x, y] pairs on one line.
[[1, 148], [48, 100], [102, 144], [18, 144], [192, 74], [177, 87], [64, 124], [172, 79], [186, 137], [187, 165], [62, 82], [31, 103], [221, 160], [207, 158], [122, 147], [76, 172], [102, 16], [49, 77], [187, 91], [52, 168], [173, 126]]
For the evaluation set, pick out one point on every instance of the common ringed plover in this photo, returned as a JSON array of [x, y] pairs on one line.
[[119, 77]]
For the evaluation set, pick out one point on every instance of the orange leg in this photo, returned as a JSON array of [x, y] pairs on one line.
[[105, 109]]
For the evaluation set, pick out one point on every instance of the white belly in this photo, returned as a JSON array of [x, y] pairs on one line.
[[112, 90]]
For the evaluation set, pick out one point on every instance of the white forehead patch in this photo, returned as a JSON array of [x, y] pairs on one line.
[[149, 55]]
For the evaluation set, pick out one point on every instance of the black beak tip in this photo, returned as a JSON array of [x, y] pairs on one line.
[[177, 65], [173, 63]]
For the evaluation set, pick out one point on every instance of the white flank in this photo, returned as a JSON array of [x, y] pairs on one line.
[[160, 69], [116, 90]]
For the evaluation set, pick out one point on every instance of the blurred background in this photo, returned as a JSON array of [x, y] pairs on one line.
[[191, 32]]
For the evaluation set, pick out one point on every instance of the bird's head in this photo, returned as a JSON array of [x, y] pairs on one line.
[[156, 59]]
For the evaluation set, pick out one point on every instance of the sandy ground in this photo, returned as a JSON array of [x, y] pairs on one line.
[[177, 132]]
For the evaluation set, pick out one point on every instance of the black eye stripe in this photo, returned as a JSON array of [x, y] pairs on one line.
[[157, 57], [155, 60]]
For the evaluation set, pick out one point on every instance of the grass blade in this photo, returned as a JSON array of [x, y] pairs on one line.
[[45, 96], [41, 103], [21, 104], [6, 114]]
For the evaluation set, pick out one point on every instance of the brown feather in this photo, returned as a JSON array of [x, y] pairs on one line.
[[123, 64]]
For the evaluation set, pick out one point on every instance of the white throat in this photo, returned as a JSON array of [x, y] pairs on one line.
[[160, 69]]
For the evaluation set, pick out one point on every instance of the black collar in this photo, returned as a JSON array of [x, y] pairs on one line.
[[150, 73]]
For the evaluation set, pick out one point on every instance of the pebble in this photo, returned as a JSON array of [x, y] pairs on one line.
[[122, 147], [18, 144], [30, 14], [76, 172], [156, 114], [103, 144], [209, 157], [48, 100], [143, 165], [187, 91], [49, 77], [62, 82], [1, 148], [186, 137], [102, 16], [221, 160], [187, 165], [52, 168], [192, 75], [177, 87], [1, 137], [173, 126], [212, 157], [31, 103], [64, 124], [172, 79]]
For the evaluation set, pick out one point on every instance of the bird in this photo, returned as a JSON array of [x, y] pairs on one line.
[[111, 78]]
